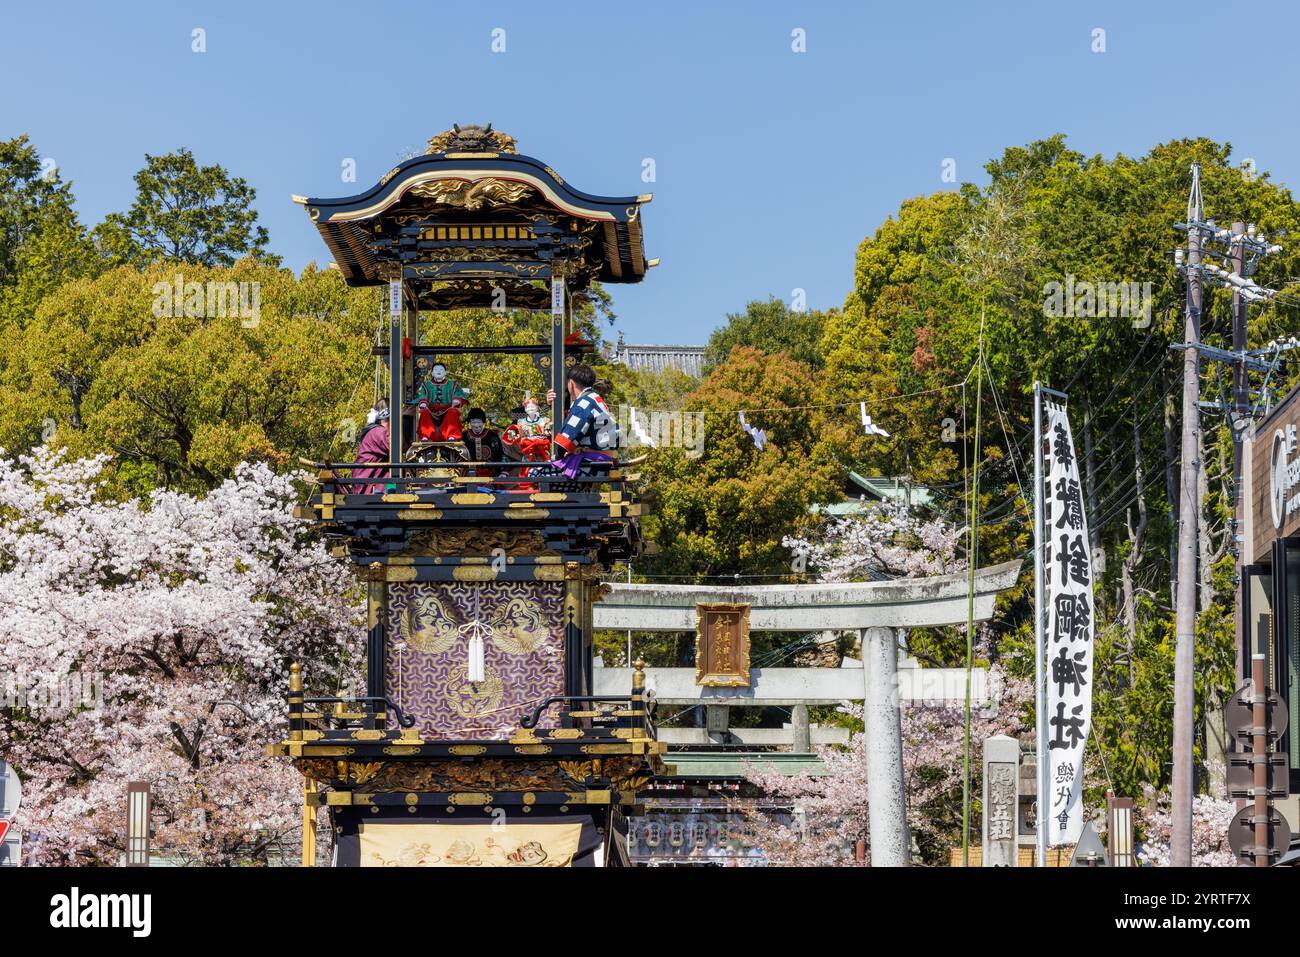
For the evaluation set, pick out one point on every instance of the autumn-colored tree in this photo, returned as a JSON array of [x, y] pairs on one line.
[[725, 511]]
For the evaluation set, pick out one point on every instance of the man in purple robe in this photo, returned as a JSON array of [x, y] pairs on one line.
[[373, 447]]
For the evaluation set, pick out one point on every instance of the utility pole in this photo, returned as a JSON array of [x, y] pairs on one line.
[[1238, 417], [1180, 838], [1241, 248]]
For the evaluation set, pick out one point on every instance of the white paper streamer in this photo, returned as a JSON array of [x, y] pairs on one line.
[[869, 427], [758, 435]]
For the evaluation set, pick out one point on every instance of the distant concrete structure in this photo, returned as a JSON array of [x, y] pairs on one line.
[[865, 492], [841, 606], [657, 358], [792, 687], [876, 610]]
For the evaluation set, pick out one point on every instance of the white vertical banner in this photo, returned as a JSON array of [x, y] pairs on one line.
[[395, 297], [1070, 624], [557, 297]]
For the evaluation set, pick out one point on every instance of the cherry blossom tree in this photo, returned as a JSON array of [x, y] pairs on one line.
[[889, 540], [185, 613], [831, 806], [1210, 819]]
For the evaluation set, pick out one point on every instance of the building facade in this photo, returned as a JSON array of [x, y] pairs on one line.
[[1270, 588]]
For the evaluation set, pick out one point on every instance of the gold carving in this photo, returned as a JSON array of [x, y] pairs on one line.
[[473, 194], [456, 774], [362, 772], [477, 542], [474, 573], [469, 798], [470, 138], [466, 749], [578, 770]]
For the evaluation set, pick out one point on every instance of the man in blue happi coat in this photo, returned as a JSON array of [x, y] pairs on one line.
[[588, 430]]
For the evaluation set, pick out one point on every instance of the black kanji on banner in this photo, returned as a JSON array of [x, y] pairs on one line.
[[1068, 580]]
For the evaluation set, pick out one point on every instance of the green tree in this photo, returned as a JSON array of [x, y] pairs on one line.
[[1052, 215], [771, 326], [42, 243], [181, 399], [187, 213]]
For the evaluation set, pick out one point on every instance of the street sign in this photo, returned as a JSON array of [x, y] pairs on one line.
[[1241, 775], [1241, 833], [11, 791], [1089, 852], [11, 795], [1240, 719]]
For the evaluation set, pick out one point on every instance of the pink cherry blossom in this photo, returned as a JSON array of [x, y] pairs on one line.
[[187, 611]]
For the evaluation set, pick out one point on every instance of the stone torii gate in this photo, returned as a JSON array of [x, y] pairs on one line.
[[876, 610]]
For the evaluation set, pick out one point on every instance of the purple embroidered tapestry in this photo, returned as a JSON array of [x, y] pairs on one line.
[[429, 627]]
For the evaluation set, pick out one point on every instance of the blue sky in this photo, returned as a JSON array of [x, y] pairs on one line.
[[771, 165]]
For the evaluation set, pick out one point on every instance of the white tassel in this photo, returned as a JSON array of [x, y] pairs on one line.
[[476, 652]]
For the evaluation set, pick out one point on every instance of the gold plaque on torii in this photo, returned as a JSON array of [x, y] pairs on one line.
[[722, 645]]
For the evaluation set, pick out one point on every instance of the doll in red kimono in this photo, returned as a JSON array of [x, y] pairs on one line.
[[531, 433], [438, 403]]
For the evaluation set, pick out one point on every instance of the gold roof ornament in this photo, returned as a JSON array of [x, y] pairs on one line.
[[471, 139], [473, 194]]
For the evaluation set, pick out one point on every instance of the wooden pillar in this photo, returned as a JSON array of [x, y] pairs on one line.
[[559, 323], [396, 389], [575, 641], [295, 702], [308, 822], [590, 595], [377, 638]]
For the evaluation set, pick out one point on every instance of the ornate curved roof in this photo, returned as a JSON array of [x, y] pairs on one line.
[[472, 199]]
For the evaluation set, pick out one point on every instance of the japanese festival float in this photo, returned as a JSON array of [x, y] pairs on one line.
[[478, 740]]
